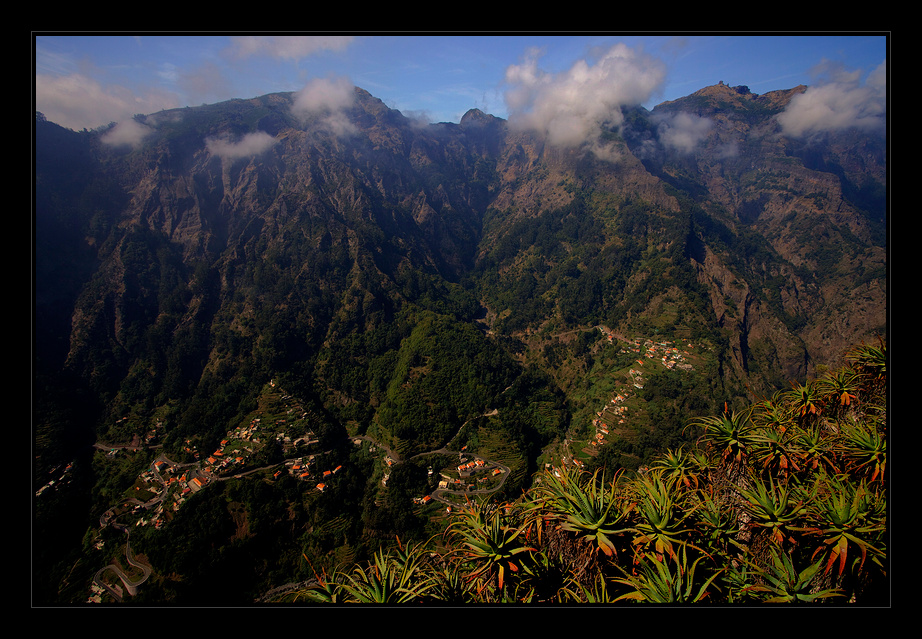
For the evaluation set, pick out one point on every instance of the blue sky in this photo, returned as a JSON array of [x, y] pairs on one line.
[[89, 80]]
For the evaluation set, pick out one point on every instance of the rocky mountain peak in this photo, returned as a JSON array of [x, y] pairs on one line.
[[476, 117], [171, 277]]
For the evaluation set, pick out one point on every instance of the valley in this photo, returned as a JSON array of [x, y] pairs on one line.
[[277, 440], [267, 367]]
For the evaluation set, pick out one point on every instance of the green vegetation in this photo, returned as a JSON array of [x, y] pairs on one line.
[[427, 295], [784, 502]]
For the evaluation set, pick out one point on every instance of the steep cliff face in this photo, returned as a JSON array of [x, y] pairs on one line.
[[244, 240], [806, 217]]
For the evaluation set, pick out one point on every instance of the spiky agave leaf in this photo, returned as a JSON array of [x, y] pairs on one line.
[[662, 513], [391, 577], [844, 516], [773, 506], [864, 447], [785, 584], [490, 542], [678, 467], [586, 506], [667, 580], [730, 433]]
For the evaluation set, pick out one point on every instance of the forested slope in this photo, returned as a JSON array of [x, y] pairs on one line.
[[418, 285], [784, 502]]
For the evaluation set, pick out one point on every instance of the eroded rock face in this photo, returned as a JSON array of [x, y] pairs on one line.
[[772, 242]]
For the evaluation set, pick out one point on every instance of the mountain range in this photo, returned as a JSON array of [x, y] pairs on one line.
[[246, 226], [400, 276]]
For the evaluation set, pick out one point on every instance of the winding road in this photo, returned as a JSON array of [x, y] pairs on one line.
[[439, 492], [131, 585], [108, 518]]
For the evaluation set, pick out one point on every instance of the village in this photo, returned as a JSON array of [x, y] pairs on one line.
[[614, 413], [166, 485], [289, 427]]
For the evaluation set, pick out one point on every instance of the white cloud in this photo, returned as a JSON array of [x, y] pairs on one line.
[[570, 107], [327, 99], [839, 101], [683, 132], [77, 101], [249, 145], [127, 133], [287, 47], [324, 94]]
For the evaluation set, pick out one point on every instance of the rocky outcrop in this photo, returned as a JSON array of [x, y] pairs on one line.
[[205, 261]]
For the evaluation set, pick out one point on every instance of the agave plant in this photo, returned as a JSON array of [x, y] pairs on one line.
[[864, 448], [839, 389], [785, 584], [545, 579], [448, 584], [774, 452], [679, 468], [597, 592], [870, 362], [716, 523], [392, 577], [491, 543], [846, 516], [774, 413], [736, 582], [814, 447], [585, 506], [661, 515], [730, 433], [667, 580], [805, 402], [775, 507], [326, 592]]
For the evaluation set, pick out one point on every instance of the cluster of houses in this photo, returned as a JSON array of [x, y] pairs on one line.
[[669, 355], [327, 475], [151, 436], [190, 481], [218, 461], [615, 412], [566, 461], [157, 484], [609, 334], [301, 469], [244, 436], [618, 411], [232, 452], [637, 377], [465, 470], [191, 448]]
